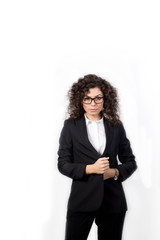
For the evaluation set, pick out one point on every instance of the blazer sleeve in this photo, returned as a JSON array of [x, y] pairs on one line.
[[66, 165], [126, 156]]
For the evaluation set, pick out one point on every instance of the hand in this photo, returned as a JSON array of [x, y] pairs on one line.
[[101, 165], [110, 173]]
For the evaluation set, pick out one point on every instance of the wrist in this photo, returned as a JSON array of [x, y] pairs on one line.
[[90, 169], [112, 173], [116, 173]]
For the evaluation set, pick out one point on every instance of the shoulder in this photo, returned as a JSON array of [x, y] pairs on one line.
[[70, 122], [73, 120], [119, 128], [116, 126]]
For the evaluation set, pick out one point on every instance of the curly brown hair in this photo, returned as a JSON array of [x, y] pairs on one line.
[[77, 92]]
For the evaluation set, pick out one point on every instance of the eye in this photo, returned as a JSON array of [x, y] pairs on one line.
[[98, 98]]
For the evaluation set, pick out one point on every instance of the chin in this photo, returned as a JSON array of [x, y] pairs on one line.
[[94, 113]]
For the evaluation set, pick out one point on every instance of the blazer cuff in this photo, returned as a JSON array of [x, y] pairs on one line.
[[84, 176], [124, 172], [121, 176]]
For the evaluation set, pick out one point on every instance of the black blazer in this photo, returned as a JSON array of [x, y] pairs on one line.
[[75, 152]]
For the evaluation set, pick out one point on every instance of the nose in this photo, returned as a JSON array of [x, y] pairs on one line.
[[93, 103]]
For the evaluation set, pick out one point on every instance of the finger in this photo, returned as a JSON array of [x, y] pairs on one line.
[[106, 163], [107, 166], [105, 160], [105, 170]]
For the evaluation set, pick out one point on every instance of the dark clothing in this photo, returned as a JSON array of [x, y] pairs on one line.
[[88, 192], [109, 225]]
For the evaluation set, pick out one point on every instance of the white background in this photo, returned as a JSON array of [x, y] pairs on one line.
[[45, 46]]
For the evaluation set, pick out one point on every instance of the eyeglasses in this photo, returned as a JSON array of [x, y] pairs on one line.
[[88, 100]]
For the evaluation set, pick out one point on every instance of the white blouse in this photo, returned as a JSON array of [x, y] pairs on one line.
[[96, 134]]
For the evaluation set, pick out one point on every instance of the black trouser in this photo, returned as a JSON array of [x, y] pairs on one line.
[[78, 225]]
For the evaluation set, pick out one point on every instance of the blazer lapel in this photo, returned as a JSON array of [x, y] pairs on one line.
[[84, 136], [109, 135]]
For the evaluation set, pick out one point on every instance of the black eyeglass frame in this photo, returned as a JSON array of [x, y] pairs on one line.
[[92, 99]]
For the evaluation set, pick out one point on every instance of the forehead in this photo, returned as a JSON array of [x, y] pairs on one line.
[[94, 92]]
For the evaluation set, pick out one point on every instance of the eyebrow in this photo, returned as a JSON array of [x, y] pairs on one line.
[[95, 96]]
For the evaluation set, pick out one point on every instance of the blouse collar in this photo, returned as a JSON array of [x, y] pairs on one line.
[[90, 121]]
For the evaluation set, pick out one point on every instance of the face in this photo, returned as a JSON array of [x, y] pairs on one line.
[[93, 109]]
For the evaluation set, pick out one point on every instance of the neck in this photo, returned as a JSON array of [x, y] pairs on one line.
[[93, 118]]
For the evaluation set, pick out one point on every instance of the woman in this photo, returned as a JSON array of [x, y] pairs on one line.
[[90, 141]]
